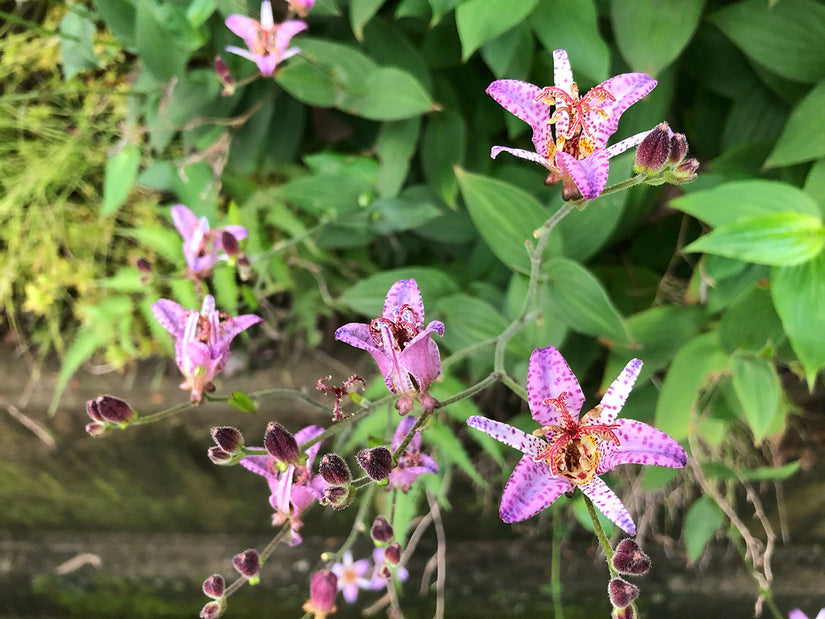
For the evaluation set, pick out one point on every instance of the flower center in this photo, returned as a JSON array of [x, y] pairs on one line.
[[577, 109], [399, 332]]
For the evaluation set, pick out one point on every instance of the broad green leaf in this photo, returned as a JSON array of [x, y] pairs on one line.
[[504, 215], [729, 202], [395, 148], [751, 323], [389, 94], [775, 239], [450, 449], [657, 477], [119, 16], [572, 25], [389, 44], [326, 194], [757, 387], [798, 293], [166, 242], [88, 340], [785, 38], [651, 33], [691, 368], [803, 138], [119, 178], [360, 12], [405, 212], [479, 21], [701, 522], [439, 9], [199, 11], [77, 52], [367, 296], [815, 184], [471, 320], [770, 473], [510, 54], [164, 38], [127, 279], [226, 288], [580, 301], [443, 148], [242, 402]]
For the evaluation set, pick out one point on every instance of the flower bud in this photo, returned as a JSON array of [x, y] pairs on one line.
[[227, 438], [404, 405], [230, 244], [376, 462], [338, 497], [622, 593], [213, 609], [678, 149], [280, 443], [428, 402], [96, 429], [323, 587], [220, 456], [653, 152], [683, 173], [334, 470], [628, 558], [214, 586], [225, 76], [93, 411], [392, 553], [143, 265], [113, 409], [381, 531], [248, 563]]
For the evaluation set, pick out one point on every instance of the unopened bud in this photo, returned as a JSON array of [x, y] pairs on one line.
[[392, 553], [381, 531], [678, 149], [334, 470], [428, 402], [280, 443], [683, 173], [376, 462], [624, 613], [93, 411], [622, 593], [404, 404], [220, 456], [213, 609], [628, 558], [338, 497], [248, 563], [230, 243], [143, 265], [214, 586], [653, 152], [323, 587], [96, 429], [244, 268], [227, 438], [225, 76], [113, 409]]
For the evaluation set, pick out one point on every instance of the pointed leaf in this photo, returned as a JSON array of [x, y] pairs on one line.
[[119, 178], [757, 387], [443, 148], [388, 94], [242, 402], [703, 519], [76, 43], [479, 21], [360, 12], [803, 138]]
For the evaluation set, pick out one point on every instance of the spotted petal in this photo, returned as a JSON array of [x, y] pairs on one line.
[[547, 376], [640, 443], [404, 292], [523, 154], [530, 489], [609, 504], [507, 434], [627, 89], [616, 394], [170, 315], [237, 324], [562, 78], [619, 147], [518, 98], [589, 174]]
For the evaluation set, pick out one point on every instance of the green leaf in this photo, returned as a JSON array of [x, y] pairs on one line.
[[510, 55], [164, 241], [479, 21], [164, 38], [119, 178], [692, 366], [762, 473], [775, 239], [815, 184], [226, 288], [580, 301], [360, 12], [199, 11], [389, 94], [127, 279], [471, 321], [798, 293], [439, 9], [451, 450], [242, 402], [367, 296], [443, 148], [403, 213], [504, 215], [330, 194], [701, 522], [395, 148], [729, 202], [751, 323], [785, 37], [651, 33], [803, 138], [77, 52], [87, 341], [757, 387]]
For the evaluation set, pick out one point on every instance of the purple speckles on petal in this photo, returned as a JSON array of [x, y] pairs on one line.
[[640, 444], [609, 504], [530, 489], [507, 434], [589, 174], [616, 394], [518, 98], [547, 376]]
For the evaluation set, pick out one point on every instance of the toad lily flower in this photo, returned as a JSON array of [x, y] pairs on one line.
[[798, 614], [568, 452], [202, 247], [412, 462], [401, 346], [202, 346], [293, 489], [577, 157], [267, 42]]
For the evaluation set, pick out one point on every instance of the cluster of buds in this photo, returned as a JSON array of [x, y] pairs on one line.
[[214, 587], [229, 446], [106, 412], [661, 157], [340, 492], [628, 559]]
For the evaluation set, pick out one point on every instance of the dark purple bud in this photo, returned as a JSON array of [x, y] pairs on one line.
[[114, 409], [219, 456], [230, 244], [323, 587], [227, 438], [248, 563], [622, 593], [376, 462], [381, 531], [96, 429], [338, 497], [93, 412], [683, 173], [213, 609], [224, 75], [280, 443], [628, 558], [678, 149], [392, 553], [334, 470], [214, 586], [654, 150], [428, 402], [385, 572], [404, 404], [143, 265]]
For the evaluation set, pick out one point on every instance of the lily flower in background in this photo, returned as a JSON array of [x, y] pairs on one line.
[[301, 7], [352, 576], [203, 247], [578, 156], [384, 570], [798, 614], [567, 452], [295, 487], [401, 346], [412, 462], [202, 340], [267, 42]]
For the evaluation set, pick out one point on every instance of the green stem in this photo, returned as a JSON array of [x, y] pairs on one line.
[[471, 391], [603, 541], [555, 572], [514, 386]]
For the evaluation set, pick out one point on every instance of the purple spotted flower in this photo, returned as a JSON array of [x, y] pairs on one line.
[[568, 451], [295, 487], [267, 42], [578, 156], [352, 576], [412, 462], [202, 247], [401, 345], [798, 614], [202, 346]]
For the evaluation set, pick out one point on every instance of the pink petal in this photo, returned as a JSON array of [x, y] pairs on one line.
[[237, 324], [358, 334], [562, 78], [266, 63], [284, 34], [185, 221], [524, 154], [240, 52], [589, 174], [627, 89], [245, 27], [170, 315], [640, 443], [517, 97], [530, 489], [262, 465], [797, 614], [609, 504], [403, 428], [404, 292], [620, 147], [616, 394], [421, 359], [208, 305], [547, 376], [507, 434]]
